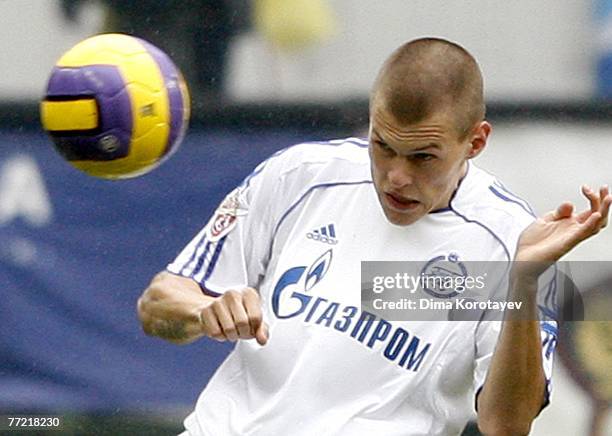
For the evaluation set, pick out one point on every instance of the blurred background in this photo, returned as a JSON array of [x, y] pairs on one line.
[[76, 252]]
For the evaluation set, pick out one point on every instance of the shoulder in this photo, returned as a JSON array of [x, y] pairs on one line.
[[315, 162], [308, 156], [484, 200]]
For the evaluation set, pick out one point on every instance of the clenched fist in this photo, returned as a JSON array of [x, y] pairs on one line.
[[235, 315]]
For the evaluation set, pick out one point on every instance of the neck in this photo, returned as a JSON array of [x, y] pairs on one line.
[[449, 195]]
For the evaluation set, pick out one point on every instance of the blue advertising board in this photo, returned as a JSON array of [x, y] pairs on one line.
[[76, 253], [603, 24]]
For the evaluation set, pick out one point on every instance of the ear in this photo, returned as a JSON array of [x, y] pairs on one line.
[[479, 137]]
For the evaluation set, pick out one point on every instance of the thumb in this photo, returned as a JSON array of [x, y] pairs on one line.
[[262, 333]]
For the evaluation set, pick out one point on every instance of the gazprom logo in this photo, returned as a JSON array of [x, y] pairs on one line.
[[302, 279], [392, 342]]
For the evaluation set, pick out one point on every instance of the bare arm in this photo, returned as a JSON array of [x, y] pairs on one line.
[[514, 389], [175, 308], [513, 392]]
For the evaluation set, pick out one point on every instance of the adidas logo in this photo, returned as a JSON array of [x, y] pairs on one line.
[[325, 234]]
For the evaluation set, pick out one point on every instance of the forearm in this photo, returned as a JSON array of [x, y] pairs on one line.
[[514, 389], [170, 308]]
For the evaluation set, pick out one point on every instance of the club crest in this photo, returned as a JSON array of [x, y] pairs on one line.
[[440, 275]]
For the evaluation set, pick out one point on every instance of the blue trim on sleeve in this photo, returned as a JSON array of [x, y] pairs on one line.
[[201, 259], [308, 191], [501, 187], [215, 258], [549, 328], [193, 254], [547, 312], [510, 200], [210, 268]]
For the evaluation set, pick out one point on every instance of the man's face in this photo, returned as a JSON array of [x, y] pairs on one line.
[[416, 168]]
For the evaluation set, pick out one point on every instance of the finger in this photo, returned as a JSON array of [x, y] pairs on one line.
[[593, 198], [605, 208], [212, 328], [239, 314], [563, 211], [225, 320], [262, 334], [592, 225], [252, 304], [583, 216], [598, 202], [604, 191], [550, 216]]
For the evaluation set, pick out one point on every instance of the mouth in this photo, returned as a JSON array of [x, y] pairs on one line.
[[400, 203]]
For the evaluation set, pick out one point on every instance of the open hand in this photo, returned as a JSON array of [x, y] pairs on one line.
[[552, 236]]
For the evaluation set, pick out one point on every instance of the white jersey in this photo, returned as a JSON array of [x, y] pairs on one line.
[[297, 230]]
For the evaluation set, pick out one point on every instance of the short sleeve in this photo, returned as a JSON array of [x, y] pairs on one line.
[[232, 250]]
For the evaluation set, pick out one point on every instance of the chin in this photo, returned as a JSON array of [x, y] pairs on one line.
[[402, 219]]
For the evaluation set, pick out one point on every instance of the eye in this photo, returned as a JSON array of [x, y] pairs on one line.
[[382, 145], [424, 157]]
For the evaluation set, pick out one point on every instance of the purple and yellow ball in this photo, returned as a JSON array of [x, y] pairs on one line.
[[116, 106]]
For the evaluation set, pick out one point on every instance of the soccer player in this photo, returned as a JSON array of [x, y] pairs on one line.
[[277, 268]]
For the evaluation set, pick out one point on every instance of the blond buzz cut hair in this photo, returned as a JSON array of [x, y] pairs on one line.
[[428, 75]]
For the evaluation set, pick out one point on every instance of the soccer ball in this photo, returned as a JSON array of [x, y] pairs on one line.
[[116, 106]]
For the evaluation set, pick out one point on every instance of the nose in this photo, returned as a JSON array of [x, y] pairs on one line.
[[399, 174]]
